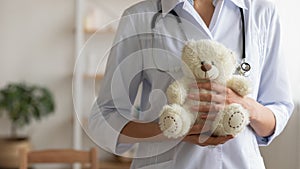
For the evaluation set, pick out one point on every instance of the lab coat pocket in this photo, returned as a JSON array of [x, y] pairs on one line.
[[163, 165]]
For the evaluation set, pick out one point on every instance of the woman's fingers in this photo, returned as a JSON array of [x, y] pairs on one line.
[[199, 128], [216, 100], [211, 86], [207, 108], [208, 116], [219, 94], [204, 140], [214, 140], [207, 97]]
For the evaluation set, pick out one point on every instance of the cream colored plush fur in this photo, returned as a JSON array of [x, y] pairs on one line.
[[218, 65]]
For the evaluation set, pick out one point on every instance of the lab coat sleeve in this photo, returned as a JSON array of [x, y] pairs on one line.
[[113, 107], [274, 90]]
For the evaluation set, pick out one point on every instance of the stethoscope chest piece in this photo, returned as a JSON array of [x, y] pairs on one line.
[[244, 68]]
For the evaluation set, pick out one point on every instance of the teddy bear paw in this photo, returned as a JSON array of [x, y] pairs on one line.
[[235, 118], [174, 121]]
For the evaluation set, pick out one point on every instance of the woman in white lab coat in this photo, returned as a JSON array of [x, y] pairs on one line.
[[146, 53]]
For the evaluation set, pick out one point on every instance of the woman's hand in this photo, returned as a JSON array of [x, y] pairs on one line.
[[199, 135], [262, 119], [216, 100], [219, 97]]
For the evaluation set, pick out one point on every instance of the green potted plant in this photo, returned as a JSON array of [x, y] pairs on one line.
[[22, 103]]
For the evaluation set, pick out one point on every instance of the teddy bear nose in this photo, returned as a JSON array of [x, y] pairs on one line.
[[205, 67]]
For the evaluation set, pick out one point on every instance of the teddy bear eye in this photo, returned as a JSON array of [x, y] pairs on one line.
[[212, 62], [202, 63]]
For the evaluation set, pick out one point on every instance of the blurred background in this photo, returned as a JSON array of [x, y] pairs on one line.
[[40, 41]]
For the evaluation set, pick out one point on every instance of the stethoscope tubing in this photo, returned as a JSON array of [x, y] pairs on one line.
[[243, 68]]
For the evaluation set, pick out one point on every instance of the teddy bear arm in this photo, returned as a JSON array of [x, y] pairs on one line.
[[177, 92], [239, 84]]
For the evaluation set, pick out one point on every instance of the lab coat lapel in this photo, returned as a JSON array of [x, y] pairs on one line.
[[192, 32], [170, 42]]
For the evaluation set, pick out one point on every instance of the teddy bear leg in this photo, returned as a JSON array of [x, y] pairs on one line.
[[231, 120], [175, 121]]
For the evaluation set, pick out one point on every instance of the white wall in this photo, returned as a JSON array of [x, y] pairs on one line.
[[36, 46], [290, 22]]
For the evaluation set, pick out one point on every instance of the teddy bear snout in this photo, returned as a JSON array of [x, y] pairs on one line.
[[205, 67]]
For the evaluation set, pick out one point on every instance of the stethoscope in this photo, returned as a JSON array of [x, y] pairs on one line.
[[244, 67]]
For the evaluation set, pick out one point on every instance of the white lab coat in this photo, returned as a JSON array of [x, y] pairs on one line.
[[133, 61]]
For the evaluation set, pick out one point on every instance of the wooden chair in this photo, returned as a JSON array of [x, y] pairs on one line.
[[69, 156]]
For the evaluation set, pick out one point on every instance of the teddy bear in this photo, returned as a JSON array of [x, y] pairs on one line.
[[202, 61]]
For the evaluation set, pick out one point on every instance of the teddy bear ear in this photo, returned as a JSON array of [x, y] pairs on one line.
[[188, 49], [190, 42]]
